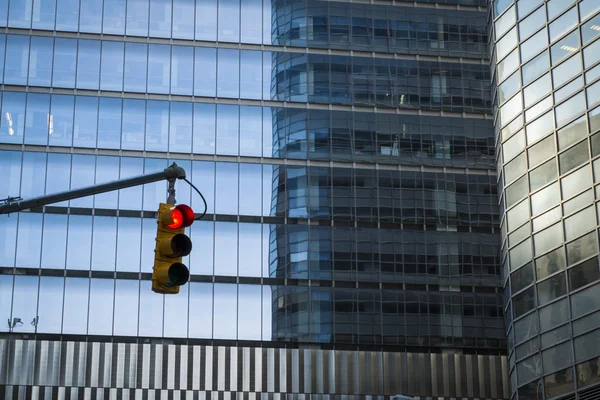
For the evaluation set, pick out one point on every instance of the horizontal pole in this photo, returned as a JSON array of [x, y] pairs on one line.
[[170, 173]]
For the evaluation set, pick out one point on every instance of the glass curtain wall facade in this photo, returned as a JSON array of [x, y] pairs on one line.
[[545, 77], [346, 152]]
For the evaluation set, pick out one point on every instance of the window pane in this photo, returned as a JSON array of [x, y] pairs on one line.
[[250, 237], [88, 64], [182, 69], [17, 51], [544, 199], [205, 70], [225, 306], [228, 78], [551, 288], [86, 120], [585, 301], [126, 307], [160, 18], [159, 68], [6, 287], [137, 17], [226, 201], [177, 314], [102, 293], [204, 128], [228, 128], [151, 312], [112, 66], [226, 248], [129, 238], [104, 243], [535, 67], [37, 117], [522, 278], [563, 24], [180, 127], [54, 241], [58, 165], [229, 21], [114, 17], [574, 157], [547, 239], [183, 19], [109, 123], [79, 242], [524, 302], [203, 176], [157, 125], [249, 312], [67, 15], [584, 273], [50, 305], [40, 61], [24, 304], [76, 305], [206, 20], [19, 15], [543, 175], [91, 16], [251, 75], [29, 242], [533, 45], [576, 182], [65, 60], [136, 63], [134, 122], [61, 120], [580, 222], [201, 301], [532, 23], [582, 248], [33, 173], [557, 357]]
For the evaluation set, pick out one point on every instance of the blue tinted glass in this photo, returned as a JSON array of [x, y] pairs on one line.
[[65, 56], [180, 132], [83, 167], [86, 121], [91, 16], [225, 311], [266, 22], [54, 237], [250, 131], [40, 61], [250, 183], [226, 248], [2, 51], [19, 14], [67, 15], [29, 240], [229, 21], [114, 17], [43, 14], [227, 128], [13, 117], [10, 163], [104, 243], [33, 175], [228, 76], [129, 236], [88, 64], [127, 293], [202, 233], [24, 304], [75, 313], [249, 312], [36, 122], [267, 137], [61, 120], [102, 292], [201, 301], [159, 68], [251, 16], [266, 78], [137, 17], [107, 170], [3, 13], [157, 125], [269, 185], [134, 122], [206, 20], [112, 66], [154, 193], [226, 199], [251, 75], [183, 19], [160, 18], [50, 304], [173, 326], [182, 70], [136, 63], [109, 123], [131, 198], [204, 128], [58, 165], [17, 51], [205, 69], [79, 242], [250, 238], [203, 176]]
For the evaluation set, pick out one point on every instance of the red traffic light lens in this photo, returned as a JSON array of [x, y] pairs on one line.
[[187, 215], [177, 219]]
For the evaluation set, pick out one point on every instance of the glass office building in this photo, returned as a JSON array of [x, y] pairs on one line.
[[545, 72], [351, 247]]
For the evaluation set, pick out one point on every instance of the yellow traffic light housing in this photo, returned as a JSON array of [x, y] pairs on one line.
[[171, 245]]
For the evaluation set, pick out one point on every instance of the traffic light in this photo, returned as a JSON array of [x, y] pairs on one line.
[[171, 245]]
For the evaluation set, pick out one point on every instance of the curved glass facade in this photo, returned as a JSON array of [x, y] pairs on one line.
[[347, 156], [546, 97]]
